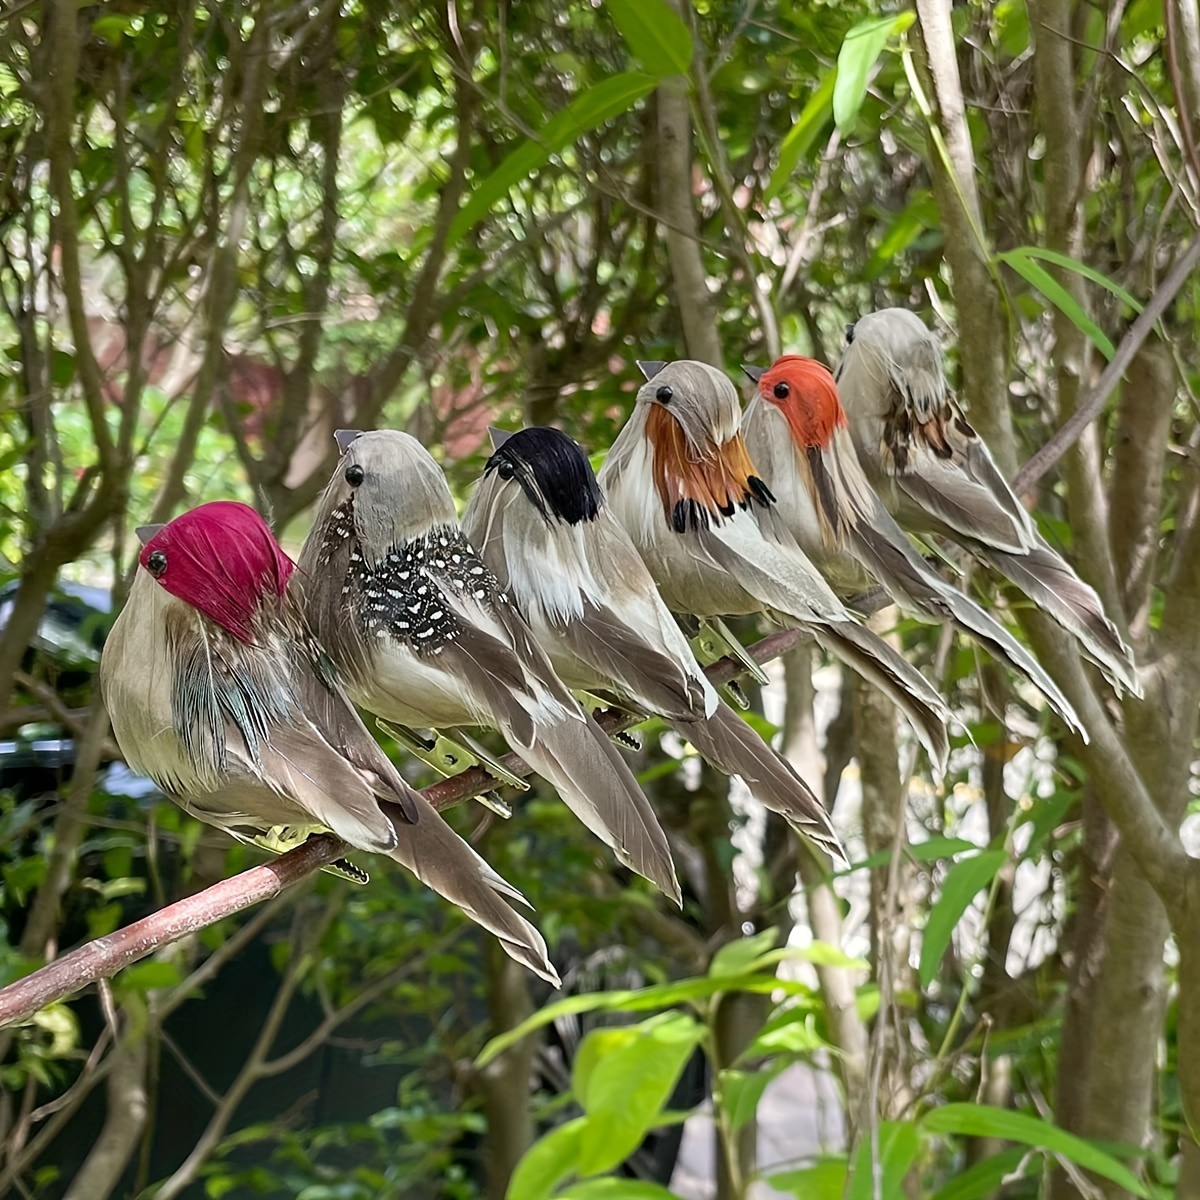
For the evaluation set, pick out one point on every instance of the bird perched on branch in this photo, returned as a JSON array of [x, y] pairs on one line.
[[542, 526], [219, 692], [798, 434], [937, 476], [426, 636], [680, 481]]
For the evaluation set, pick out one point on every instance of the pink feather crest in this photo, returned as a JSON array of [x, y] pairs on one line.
[[222, 560]]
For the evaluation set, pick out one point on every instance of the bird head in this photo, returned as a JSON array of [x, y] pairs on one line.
[[552, 471], [222, 560], [389, 488], [804, 392], [893, 350], [702, 471]]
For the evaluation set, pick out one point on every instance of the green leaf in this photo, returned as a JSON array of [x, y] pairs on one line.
[[863, 45], [791, 1032], [799, 139], [927, 851], [825, 1180], [962, 882], [982, 1120], [984, 1178], [898, 1147], [595, 1047], [655, 34], [1073, 264], [628, 1087], [1058, 295], [595, 106], [742, 1090], [547, 1163], [616, 1189], [144, 976], [663, 995], [741, 957]]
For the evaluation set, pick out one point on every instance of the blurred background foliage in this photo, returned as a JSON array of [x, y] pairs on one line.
[[229, 227]]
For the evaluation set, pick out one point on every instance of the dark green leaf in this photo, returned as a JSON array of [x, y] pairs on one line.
[[799, 139], [962, 882], [655, 34], [1058, 295], [981, 1120], [616, 1189], [742, 1090], [898, 1144], [862, 46], [984, 1178]]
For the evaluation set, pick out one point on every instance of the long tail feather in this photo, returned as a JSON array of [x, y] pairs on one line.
[[727, 742], [906, 576], [907, 688], [441, 860], [596, 784], [1049, 581]]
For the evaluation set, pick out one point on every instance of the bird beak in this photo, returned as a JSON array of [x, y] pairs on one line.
[[755, 373], [650, 367], [850, 333], [146, 532], [344, 437], [498, 436]]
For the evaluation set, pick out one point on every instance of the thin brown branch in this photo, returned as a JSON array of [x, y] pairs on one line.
[[1095, 399], [107, 955]]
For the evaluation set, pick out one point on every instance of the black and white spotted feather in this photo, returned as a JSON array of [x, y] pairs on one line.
[[427, 637]]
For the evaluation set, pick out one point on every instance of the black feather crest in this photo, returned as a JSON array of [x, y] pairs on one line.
[[554, 473]]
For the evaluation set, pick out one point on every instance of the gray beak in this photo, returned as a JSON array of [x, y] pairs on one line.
[[650, 367], [755, 373], [498, 436], [146, 532], [344, 437]]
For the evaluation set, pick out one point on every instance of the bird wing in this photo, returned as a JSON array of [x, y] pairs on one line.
[[441, 860]]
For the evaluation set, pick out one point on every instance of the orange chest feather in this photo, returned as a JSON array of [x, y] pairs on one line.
[[699, 490]]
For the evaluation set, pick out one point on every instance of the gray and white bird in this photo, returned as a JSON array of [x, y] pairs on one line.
[[936, 475], [680, 481], [798, 433], [219, 692], [425, 635], [540, 522]]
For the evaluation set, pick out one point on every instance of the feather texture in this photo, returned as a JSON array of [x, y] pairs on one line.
[[937, 476], [253, 734], [426, 636]]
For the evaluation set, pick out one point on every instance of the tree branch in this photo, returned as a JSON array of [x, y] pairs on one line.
[[107, 955]]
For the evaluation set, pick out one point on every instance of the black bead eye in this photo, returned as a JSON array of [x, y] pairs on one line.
[[156, 564], [505, 469], [782, 390], [355, 474], [664, 394], [849, 333]]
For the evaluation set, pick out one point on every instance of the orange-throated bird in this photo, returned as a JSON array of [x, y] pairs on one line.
[[798, 433], [680, 481]]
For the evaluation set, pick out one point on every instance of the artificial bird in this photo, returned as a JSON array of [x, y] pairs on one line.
[[797, 432], [425, 635], [936, 475], [219, 692], [541, 524], [680, 481]]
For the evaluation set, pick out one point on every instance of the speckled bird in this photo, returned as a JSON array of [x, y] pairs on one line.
[[426, 636], [220, 693]]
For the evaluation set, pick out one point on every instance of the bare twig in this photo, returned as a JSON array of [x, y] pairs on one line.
[[1091, 404], [107, 955]]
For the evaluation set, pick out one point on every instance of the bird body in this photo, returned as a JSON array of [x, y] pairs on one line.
[[682, 484], [541, 523], [797, 427], [426, 635], [936, 475], [218, 691]]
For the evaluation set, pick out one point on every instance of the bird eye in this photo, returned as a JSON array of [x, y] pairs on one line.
[[782, 390], [355, 474], [156, 564], [849, 333], [505, 469], [664, 394]]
